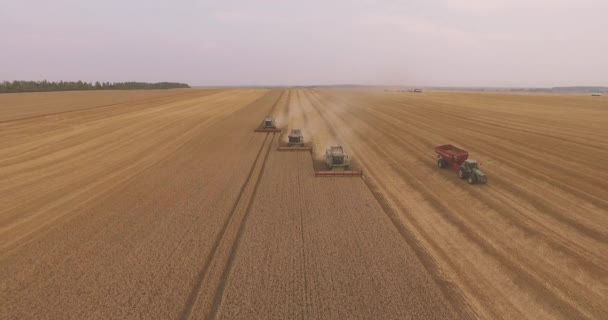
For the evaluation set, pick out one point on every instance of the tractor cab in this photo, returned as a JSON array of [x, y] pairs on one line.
[[470, 165], [268, 122], [336, 158], [295, 138], [268, 125], [470, 170]]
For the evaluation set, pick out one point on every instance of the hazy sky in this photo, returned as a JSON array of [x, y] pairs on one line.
[[418, 42]]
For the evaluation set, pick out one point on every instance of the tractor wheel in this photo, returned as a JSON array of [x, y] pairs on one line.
[[440, 164], [461, 174], [472, 179]]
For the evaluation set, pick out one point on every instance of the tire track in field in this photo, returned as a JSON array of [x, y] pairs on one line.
[[304, 115], [194, 294], [274, 105], [219, 293], [304, 208], [282, 116], [218, 262]]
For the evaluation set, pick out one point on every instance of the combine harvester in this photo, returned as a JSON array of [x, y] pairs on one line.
[[268, 125], [295, 142], [338, 163], [457, 159]]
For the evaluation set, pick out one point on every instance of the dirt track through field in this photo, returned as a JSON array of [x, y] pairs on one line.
[[170, 206]]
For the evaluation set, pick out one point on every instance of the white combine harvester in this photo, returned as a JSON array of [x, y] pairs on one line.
[[268, 125], [295, 142], [339, 164]]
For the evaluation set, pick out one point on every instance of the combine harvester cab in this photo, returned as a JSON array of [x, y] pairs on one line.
[[295, 142], [268, 125], [338, 163], [449, 156]]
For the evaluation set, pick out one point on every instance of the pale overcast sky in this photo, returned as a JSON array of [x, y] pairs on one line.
[[418, 42]]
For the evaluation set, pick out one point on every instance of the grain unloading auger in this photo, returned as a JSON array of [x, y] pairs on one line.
[[268, 125], [295, 142], [338, 163]]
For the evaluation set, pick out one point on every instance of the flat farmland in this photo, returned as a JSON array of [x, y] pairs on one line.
[[20, 106], [167, 205]]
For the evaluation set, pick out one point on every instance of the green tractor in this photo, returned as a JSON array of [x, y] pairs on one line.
[[470, 170]]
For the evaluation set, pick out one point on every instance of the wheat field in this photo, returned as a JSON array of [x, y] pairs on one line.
[[167, 205]]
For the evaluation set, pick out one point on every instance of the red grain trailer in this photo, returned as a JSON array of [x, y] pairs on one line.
[[450, 156]]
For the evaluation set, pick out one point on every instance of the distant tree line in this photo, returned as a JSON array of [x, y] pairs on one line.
[[42, 86]]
